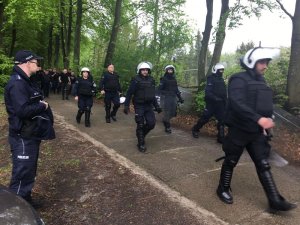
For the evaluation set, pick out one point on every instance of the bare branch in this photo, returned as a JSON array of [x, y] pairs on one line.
[[284, 10]]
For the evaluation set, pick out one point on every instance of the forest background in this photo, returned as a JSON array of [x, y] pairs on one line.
[[93, 33]]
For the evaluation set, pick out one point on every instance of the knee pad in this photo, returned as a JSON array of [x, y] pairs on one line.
[[263, 165]]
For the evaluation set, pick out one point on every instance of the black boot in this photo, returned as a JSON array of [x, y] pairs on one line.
[[221, 134], [195, 132], [78, 116], [87, 118], [114, 112], [224, 191], [141, 138], [276, 201], [167, 127], [107, 113]]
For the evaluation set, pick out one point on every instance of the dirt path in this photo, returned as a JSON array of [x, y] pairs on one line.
[[79, 183]]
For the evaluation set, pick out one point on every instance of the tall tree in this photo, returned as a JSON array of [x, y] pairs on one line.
[[293, 78], [77, 37], [220, 35], [204, 43], [114, 33], [62, 34], [2, 6]]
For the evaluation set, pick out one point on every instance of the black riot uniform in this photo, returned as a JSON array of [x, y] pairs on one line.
[[84, 89], [142, 88], [249, 102], [215, 99], [111, 85], [169, 92], [65, 83]]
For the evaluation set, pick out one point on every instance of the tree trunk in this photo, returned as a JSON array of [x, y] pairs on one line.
[[204, 42], [69, 33], [57, 42], [1, 23], [77, 36], [220, 35], [155, 25], [114, 34], [293, 79], [13, 40], [50, 45], [62, 36]]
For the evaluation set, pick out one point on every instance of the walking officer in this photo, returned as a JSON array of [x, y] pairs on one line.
[[169, 93], [142, 88], [110, 86], [215, 100], [30, 121], [249, 117], [84, 90], [65, 83]]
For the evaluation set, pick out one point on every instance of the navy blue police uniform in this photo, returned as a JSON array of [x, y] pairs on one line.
[[215, 100], [29, 123], [142, 88], [85, 90], [111, 85]]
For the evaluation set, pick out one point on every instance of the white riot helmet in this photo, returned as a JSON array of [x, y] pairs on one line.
[[85, 69], [256, 54], [170, 67], [144, 65], [217, 67]]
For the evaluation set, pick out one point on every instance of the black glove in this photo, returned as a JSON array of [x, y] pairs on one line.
[[126, 109], [158, 109]]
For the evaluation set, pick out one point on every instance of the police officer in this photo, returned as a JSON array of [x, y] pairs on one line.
[[168, 89], [65, 84], [30, 121], [215, 99], [84, 90], [249, 116], [142, 88], [110, 86]]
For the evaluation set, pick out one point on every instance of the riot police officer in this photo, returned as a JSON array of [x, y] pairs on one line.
[[30, 121], [249, 116], [65, 84], [84, 91], [110, 86], [142, 88], [168, 89], [215, 99]]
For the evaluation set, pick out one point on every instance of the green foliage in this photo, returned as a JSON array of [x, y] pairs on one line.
[[199, 98], [276, 76], [5, 68]]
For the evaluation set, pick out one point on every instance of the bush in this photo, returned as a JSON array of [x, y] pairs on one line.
[[199, 98], [5, 69], [3, 81]]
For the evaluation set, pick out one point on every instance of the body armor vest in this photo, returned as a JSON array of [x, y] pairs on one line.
[[170, 86], [112, 82], [219, 86], [145, 92], [259, 98], [85, 87]]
